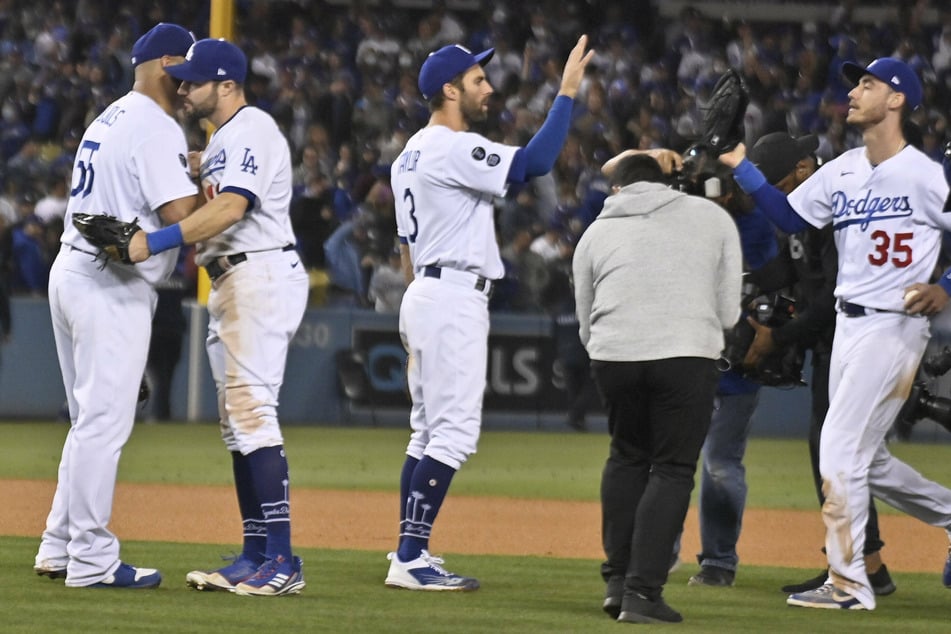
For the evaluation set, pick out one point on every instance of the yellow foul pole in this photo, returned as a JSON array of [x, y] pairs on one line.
[[220, 24]]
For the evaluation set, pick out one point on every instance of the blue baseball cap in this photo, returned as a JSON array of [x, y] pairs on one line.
[[893, 72], [211, 60], [444, 65], [162, 39]]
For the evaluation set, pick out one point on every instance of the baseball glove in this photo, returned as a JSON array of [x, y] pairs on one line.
[[723, 115], [108, 233]]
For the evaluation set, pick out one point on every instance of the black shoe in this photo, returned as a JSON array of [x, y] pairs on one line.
[[637, 608], [810, 584], [712, 576], [613, 595], [882, 584]]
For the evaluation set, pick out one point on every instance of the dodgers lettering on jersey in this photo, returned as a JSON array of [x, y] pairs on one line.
[[249, 155], [887, 222], [444, 185], [130, 161]]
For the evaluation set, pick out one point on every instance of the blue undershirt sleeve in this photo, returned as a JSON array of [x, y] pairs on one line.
[[541, 152], [770, 200]]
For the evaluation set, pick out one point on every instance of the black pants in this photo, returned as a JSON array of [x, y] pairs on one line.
[[658, 415], [820, 405]]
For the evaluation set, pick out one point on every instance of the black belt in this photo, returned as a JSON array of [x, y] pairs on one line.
[[72, 248], [857, 310], [222, 264], [480, 285]]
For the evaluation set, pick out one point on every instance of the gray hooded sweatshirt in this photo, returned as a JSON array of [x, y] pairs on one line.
[[657, 276]]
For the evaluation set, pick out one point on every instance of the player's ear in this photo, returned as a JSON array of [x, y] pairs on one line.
[[898, 99]]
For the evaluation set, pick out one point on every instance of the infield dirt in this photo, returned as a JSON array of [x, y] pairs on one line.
[[472, 525]]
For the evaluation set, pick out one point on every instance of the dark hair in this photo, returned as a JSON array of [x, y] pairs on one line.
[[637, 167], [436, 101]]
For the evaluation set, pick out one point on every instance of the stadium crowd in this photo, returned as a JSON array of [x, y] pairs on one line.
[[339, 77]]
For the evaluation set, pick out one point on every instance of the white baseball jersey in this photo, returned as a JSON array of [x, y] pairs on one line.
[[444, 183], [249, 155], [887, 219], [140, 151]]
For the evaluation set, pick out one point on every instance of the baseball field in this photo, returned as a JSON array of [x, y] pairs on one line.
[[522, 517]]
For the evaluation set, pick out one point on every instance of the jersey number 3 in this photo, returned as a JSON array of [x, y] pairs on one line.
[[408, 197], [895, 249]]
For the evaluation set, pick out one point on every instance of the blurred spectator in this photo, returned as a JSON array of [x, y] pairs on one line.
[[53, 204], [30, 262], [168, 333], [313, 219], [345, 252], [528, 270], [387, 283]]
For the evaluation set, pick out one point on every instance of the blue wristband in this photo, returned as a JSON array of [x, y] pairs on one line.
[[945, 282], [165, 239], [748, 176]]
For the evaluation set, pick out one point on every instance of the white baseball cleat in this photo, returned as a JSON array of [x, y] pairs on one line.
[[426, 573]]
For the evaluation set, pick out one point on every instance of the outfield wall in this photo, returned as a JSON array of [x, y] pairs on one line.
[[523, 391]]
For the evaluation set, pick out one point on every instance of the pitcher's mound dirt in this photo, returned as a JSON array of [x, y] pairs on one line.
[[475, 525]]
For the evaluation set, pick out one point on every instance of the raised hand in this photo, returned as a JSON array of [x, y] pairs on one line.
[[574, 67]]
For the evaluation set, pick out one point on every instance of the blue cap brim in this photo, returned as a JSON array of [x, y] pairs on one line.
[[853, 72], [186, 72]]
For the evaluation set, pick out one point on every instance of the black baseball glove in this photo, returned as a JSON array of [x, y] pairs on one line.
[[108, 233], [723, 115]]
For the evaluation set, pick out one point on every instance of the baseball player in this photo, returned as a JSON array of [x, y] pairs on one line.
[[885, 202], [810, 263], [258, 296], [130, 163], [444, 183]]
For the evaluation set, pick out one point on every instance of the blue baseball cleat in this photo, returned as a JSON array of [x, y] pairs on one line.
[[241, 569], [275, 577], [126, 576], [946, 575], [426, 573]]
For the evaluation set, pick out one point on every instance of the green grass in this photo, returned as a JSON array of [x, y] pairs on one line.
[[345, 593], [543, 465]]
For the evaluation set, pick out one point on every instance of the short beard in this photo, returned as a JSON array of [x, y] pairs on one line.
[[471, 114], [203, 110]]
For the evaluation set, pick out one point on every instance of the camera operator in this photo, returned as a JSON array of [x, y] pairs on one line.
[[723, 486], [635, 269], [811, 262]]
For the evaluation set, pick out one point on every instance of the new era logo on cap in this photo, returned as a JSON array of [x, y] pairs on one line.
[[211, 60]]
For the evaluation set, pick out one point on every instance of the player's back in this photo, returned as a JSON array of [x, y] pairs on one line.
[[119, 171], [444, 184]]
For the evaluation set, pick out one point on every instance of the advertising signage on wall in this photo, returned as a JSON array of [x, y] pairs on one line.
[[519, 376]]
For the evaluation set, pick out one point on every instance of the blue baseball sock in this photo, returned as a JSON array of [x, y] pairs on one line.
[[427, 490], [269, 472], [252, 522], [405, 478]]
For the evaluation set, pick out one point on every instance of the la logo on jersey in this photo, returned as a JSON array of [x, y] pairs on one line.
[[867, 209]]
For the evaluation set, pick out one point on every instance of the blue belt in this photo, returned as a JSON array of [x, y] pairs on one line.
[[480, 285], [221, 265]]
